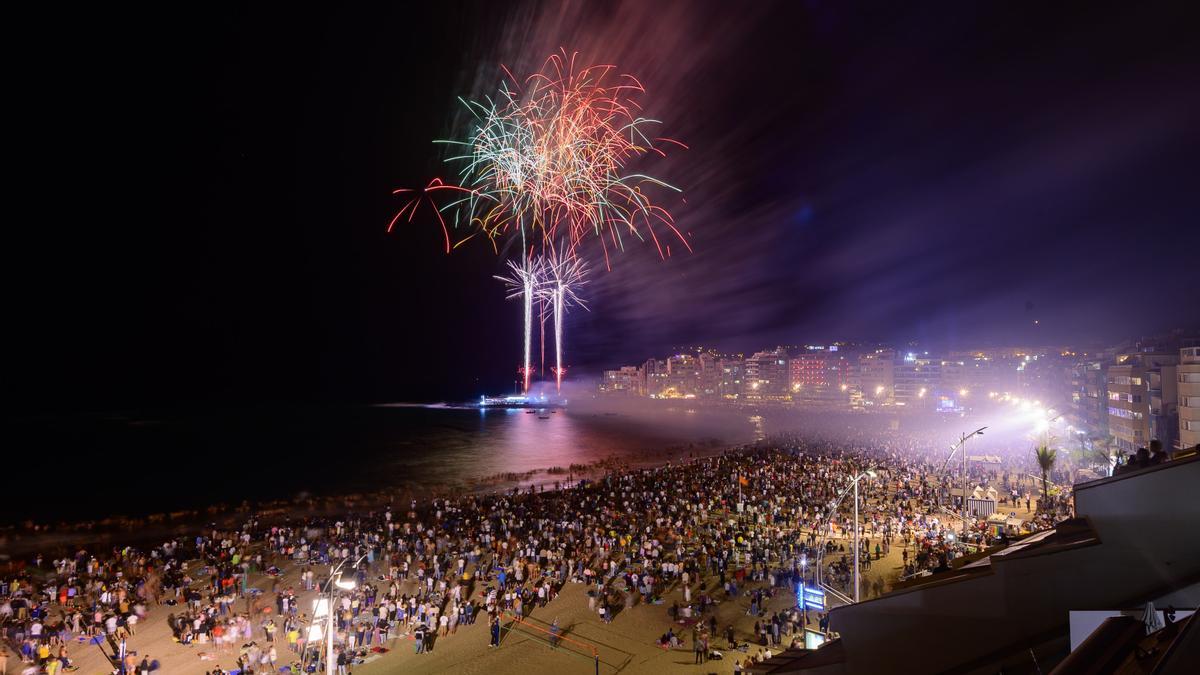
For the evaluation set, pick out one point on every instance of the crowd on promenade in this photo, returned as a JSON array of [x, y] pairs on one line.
[[739, 527]]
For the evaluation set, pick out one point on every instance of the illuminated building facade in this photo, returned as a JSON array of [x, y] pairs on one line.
[[1188, 383], [1141, 406], [768, 377], [876, 371]]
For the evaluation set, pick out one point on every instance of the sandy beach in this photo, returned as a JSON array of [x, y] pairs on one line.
[[629, 643]]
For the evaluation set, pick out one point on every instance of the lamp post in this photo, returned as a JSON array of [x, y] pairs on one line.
[[869, 473], [335, 582], [961, 445], [803, 585]]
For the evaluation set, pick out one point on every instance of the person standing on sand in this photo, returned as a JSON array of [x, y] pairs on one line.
[[419, 637]]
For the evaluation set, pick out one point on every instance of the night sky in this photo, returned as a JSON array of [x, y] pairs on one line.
[[201, 197]]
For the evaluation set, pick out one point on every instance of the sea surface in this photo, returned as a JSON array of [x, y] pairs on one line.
[[86, 467]]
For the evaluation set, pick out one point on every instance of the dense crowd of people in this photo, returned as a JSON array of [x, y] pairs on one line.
[[743, 526]]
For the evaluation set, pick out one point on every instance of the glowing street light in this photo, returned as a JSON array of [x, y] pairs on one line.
[[962, 443], [962, 392], [323, 608], [869, 473]]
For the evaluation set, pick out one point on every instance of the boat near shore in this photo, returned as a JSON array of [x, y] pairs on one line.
[[529, 403]]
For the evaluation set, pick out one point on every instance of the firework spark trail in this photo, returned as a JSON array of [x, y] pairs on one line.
[[562, 275], [426, 194], [524, 281]]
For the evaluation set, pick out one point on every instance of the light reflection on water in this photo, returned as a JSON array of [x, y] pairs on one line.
[[446, 445]]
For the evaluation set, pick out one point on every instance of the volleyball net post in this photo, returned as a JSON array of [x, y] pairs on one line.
[[552, 639]]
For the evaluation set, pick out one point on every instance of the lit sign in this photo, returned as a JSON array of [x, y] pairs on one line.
[[811, 597]]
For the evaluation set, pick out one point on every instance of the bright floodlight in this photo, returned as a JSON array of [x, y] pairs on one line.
[[962, 392], [345, 584]]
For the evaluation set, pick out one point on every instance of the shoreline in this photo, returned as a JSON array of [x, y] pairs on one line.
[[29, 538]]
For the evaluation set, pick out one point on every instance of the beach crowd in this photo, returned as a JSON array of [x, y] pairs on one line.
[[741, 527]]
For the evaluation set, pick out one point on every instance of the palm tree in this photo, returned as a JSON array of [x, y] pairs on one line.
[[1045, 459], [1104, 451]]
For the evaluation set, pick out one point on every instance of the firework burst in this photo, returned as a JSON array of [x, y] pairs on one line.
[[548, 160], [549, 165]]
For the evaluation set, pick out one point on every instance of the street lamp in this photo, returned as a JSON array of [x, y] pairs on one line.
[[804, 584], [335, 582], [869, 473], [962, 441]]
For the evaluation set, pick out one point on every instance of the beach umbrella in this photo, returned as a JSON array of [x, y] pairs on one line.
[[1152, 619]]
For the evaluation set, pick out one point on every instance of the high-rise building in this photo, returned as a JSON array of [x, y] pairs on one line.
[[1088, 398], [682, 379], [768, 377], [1132, 420], [877, 377], [732, 373], [807, 370], [625, 381], [1161, 381], [709, 378], [820, 376], [916, 379], [1187, 376], [654, 376], [983, 371]]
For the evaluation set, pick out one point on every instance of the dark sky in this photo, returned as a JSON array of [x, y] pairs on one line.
[[201, 197]]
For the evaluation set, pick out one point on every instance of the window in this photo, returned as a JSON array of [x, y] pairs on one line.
[[1125, 380], [1126, 414], [1189, 377]]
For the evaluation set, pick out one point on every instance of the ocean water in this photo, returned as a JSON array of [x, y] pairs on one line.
[[88, 467]]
